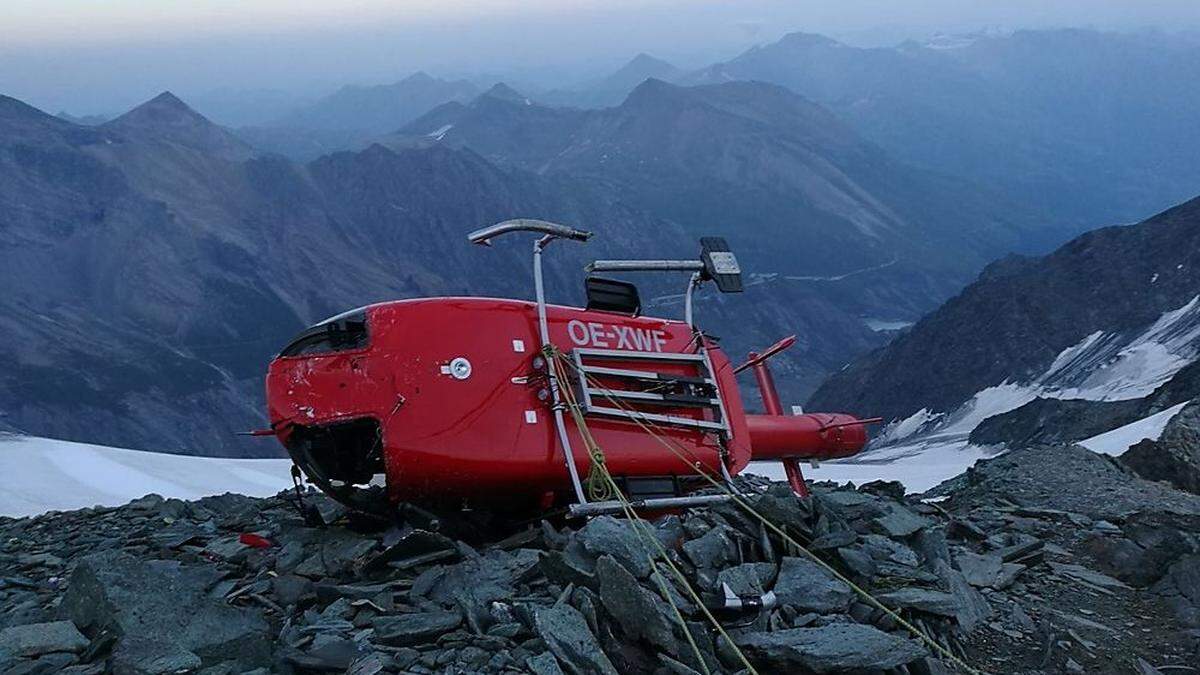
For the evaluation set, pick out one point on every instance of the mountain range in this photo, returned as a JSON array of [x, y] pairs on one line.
[[1087, 126], [1081, 126], [153, 264], [156, 261]]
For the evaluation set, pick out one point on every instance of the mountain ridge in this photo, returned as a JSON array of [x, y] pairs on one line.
[[1021, 314]]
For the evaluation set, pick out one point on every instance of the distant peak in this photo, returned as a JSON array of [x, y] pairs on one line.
[[504, 92], [166, 117], [653, 88], [419, 77], [644, 59], [164, 109], [168, 100], [808, 40]]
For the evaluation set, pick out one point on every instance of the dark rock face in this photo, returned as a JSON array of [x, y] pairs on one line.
[[1050, 421], [1175, 457]]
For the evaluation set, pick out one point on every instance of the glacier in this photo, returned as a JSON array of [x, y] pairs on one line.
[[43, 474]]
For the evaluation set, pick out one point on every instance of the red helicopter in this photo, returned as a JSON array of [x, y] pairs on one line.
[[459, 401]]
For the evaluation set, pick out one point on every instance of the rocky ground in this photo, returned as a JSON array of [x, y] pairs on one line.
[[1043, 560]]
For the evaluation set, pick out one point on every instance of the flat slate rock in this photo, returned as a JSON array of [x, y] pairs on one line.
[[608, 536], [640, 613], [42, 638], [922, 599], [831, 649], [164, 601], [412, 629], [900, 522]]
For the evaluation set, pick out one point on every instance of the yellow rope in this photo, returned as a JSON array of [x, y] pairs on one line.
[[638, 523], [737, 499]]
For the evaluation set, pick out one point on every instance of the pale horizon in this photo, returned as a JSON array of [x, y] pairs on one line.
[[103, 58]]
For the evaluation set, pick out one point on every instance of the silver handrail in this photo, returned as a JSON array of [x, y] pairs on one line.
[[483, 236], [550, 232], [645, 266]]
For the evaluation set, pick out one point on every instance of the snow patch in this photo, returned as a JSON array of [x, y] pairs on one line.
[[987, 403], [919, 466], [908, 426], [42, 474], [1110, 367], [884, 325], [440, 133], [1121, 439]]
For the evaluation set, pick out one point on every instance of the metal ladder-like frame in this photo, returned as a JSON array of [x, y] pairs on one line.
[[582, 507], [588, 393], [715, 403]]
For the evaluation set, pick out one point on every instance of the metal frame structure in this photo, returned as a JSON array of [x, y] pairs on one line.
[[550, 232]]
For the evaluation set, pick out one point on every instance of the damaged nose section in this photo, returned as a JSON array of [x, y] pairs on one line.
[[345, 460], [323, 399]]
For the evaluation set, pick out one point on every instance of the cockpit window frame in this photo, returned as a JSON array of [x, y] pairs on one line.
[[339, 335]]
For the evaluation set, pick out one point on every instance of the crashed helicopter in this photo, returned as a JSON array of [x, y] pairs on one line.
[[396, 404]]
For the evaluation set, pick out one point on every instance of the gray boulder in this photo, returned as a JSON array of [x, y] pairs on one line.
[[923, 600], [810, 587], [830, 649], [987, 571], [141, 656], [639, 612], [608, 536], [747, 578], [566, 633], [714, 550], [543, 664], [900, 522]]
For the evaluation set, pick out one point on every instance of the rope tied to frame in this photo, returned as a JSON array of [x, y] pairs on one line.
[[653, 429], [598, 489], [600, 470]]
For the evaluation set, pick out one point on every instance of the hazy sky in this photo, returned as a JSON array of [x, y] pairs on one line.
[[94, 56]]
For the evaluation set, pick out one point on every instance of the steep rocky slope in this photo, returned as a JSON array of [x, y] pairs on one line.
[[1110, 315]]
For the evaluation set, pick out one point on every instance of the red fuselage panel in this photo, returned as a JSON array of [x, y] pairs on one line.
[[491, 433]]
